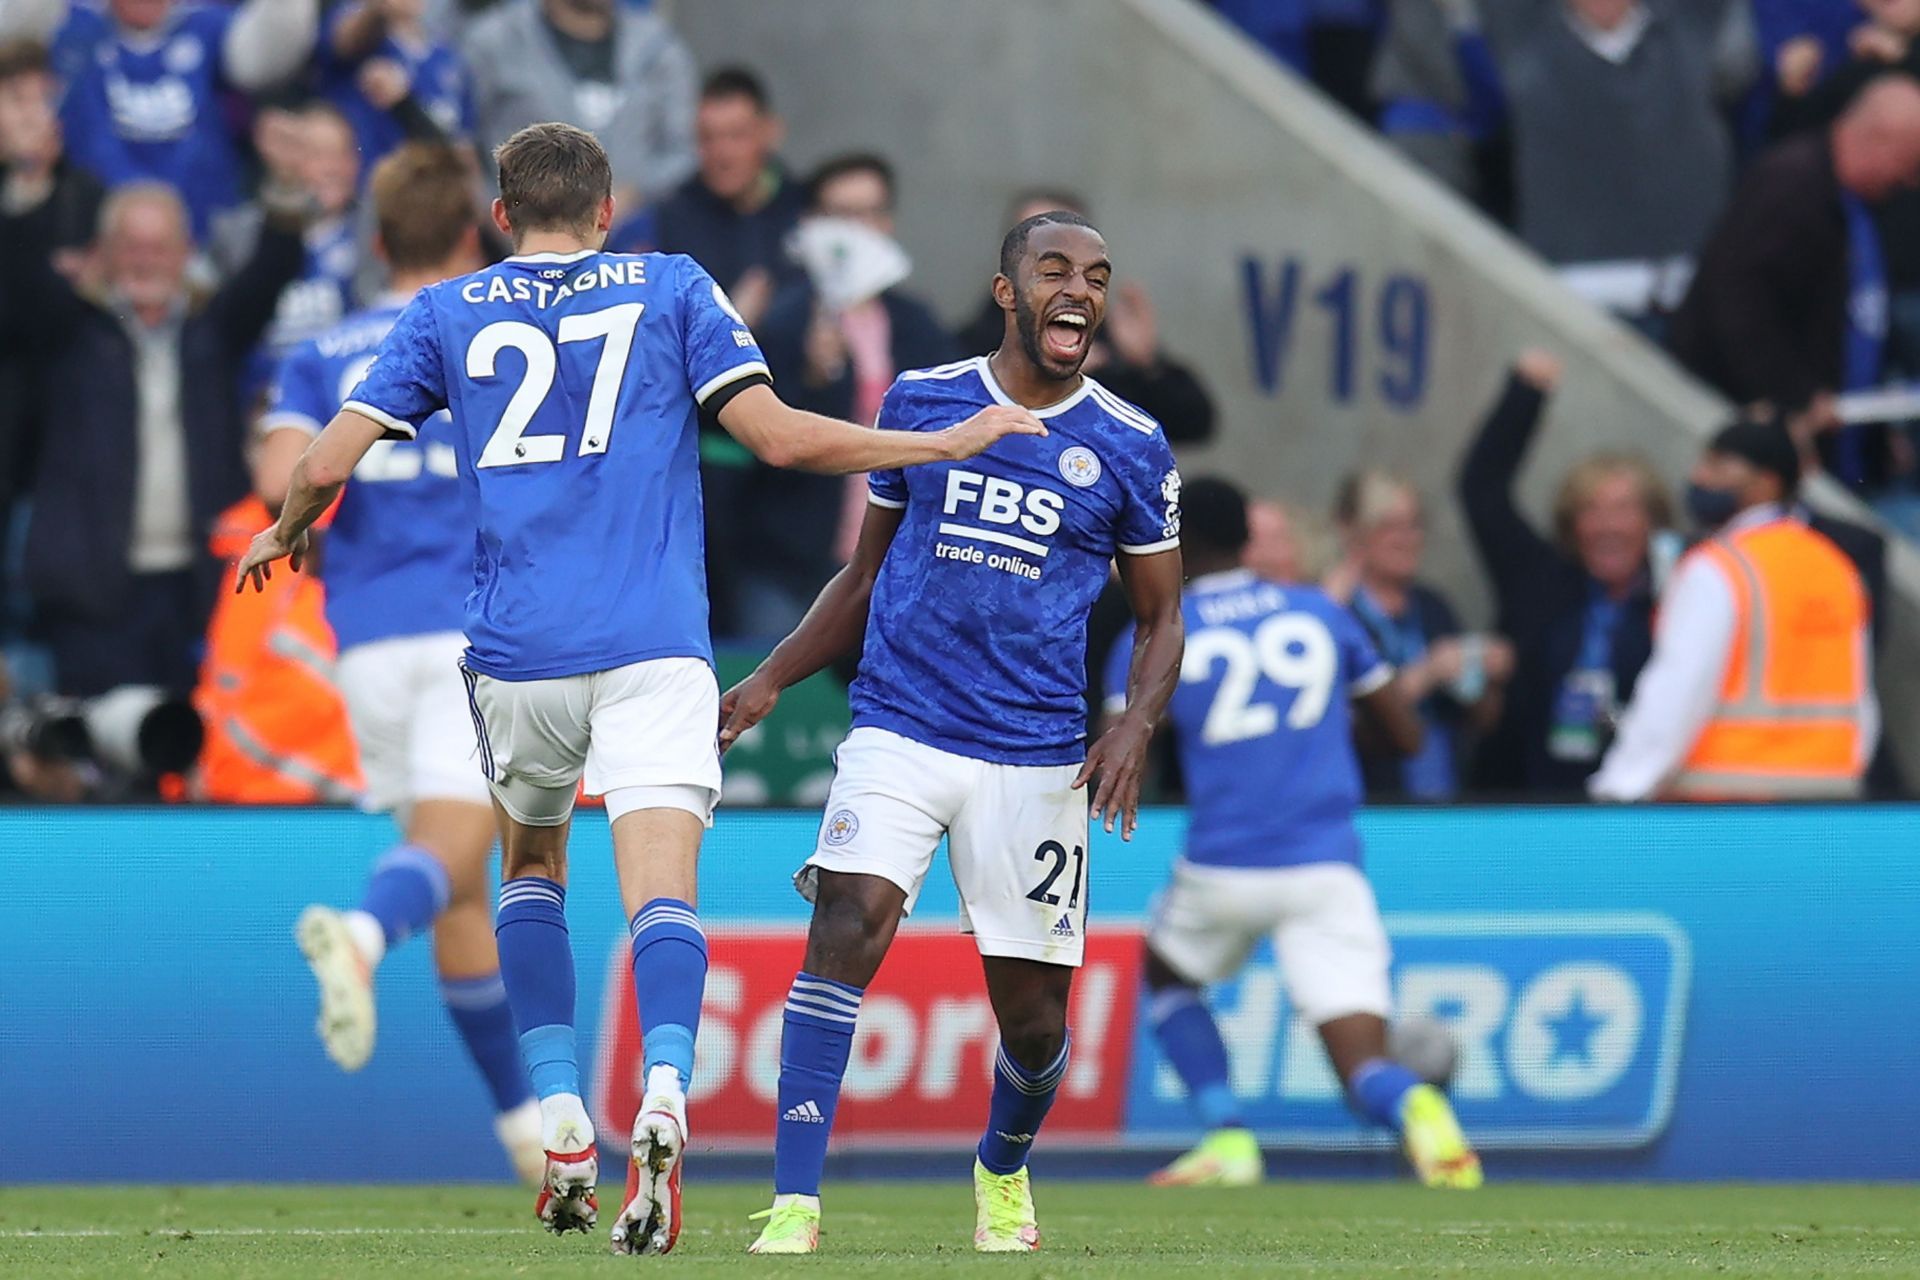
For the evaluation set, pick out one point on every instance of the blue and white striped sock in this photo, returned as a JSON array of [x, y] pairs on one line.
[[669, 980], [816, 1037], [536, 965], [1021, 1100]]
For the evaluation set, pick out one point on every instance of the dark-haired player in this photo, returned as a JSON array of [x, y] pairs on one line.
[[576, 379], [968, 598], [1262, 724]]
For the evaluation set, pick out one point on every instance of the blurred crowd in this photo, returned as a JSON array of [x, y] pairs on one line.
[[182, 199]]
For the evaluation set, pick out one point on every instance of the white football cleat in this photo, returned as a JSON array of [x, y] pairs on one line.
[[346, 1025], [650, 1222], [519, 1134], [568, 1200]]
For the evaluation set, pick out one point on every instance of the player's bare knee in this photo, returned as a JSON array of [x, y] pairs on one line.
[[1034, 1036], [854, 918], [1159, 975]]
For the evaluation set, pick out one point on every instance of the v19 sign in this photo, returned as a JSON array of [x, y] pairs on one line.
[[1377, 331]]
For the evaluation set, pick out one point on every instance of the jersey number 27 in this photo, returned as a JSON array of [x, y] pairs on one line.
[[509, 446], [1293, 650]]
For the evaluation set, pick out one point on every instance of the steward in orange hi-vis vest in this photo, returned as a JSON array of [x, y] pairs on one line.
[[276, 726], [1787, 723]]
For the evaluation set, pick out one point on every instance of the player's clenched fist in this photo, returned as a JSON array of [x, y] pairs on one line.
[[744, 706], [978, 433], [265, 549]]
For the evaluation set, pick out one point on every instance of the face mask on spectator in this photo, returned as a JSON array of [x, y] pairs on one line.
[[1711, 508]]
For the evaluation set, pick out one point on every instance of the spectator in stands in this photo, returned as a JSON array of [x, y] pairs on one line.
[[1760, 685], [391, 79], [150, 435], [1455, 679], [1622, 158], [734, 214], [58, 206], [1788, 304], [615, 71], [836, 358], [1578, 607], [1126, 355], [1441, 99], [311, 150], [145, 103], [1284, 543]]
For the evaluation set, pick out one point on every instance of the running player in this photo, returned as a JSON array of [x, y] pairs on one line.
[[576, 379], [1265, 739], [397, 575], [971, 586]]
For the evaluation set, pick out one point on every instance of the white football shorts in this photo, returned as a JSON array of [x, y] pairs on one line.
[[1322, 917], [408, 707], [651, 725], [1017, 839]]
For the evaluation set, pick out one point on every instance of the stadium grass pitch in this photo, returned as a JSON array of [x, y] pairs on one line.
[[925, 1228]]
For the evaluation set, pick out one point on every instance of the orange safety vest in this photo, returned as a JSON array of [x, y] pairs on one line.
[[276, 725], [1787, 725]]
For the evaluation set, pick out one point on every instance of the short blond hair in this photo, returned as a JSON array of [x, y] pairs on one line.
[[1577, 489]]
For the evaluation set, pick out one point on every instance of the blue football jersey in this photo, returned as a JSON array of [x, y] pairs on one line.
[[311, 305], [1263, 723], [148, 106], [977, 637], [399, 554], [576, 383]]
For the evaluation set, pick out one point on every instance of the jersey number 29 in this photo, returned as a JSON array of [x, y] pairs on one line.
[[509, 446], [1293, 650]]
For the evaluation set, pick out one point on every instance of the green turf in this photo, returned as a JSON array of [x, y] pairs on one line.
[[917, 1229]]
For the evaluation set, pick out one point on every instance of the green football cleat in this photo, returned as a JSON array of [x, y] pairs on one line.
[[1003, 1212], [1224, 1158], [793, 1226], [1434, 1143]]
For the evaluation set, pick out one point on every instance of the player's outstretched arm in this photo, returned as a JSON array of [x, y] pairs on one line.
[[833, 628], [782, 436], [316, 482], [1392, 717], [1119, 759]]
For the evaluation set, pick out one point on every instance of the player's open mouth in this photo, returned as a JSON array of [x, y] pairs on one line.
[[1066, 335]]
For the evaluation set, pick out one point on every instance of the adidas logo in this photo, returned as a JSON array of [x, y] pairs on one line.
[[1063, 928], [1018, 1139], [806, 1113]]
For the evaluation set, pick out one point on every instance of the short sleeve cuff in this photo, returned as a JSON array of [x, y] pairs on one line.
[[1372, 681], [882, 500], [288, 420], [717, 390], [1151, 548], [397, 428]]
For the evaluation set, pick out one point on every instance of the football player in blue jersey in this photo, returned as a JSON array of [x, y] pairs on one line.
[[576, 380], [1262, 726], [397, 572], [968, 598]]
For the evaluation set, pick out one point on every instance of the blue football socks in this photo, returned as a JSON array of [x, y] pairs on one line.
[[1190, 1039], [479, 1009], [536, 967], [669, 979], [816, 1037], [1378, 1088], [407, 890], [1021, 1100]]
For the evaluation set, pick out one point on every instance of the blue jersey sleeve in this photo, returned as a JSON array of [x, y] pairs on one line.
[[408, 381], [1150, 521], [889, 488], [1361, 664], [721, 354], [301, 397]]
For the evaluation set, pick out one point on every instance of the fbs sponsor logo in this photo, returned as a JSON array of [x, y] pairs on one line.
[[807, 1112], [841, 827]]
